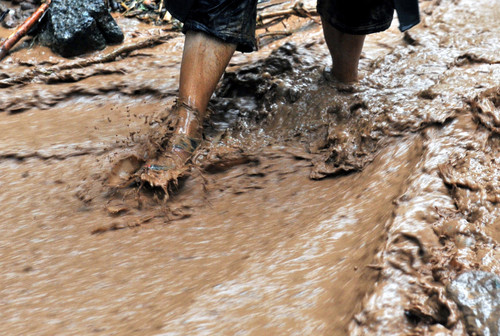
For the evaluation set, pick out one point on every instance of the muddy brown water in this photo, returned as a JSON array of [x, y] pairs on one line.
[[336, 211]]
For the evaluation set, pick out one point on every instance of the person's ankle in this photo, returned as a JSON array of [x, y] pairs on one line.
[[345, 76], [340, 77], [189, 121]]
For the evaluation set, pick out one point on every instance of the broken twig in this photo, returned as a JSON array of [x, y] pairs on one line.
[[297, 10], [109, 57], [275, 33]]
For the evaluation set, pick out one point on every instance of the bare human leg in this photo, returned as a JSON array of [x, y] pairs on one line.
[[203, 62], [345, 50]]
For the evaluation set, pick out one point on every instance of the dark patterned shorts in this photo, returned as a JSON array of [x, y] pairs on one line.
[[233, 21], [358, 17], [230, 20]]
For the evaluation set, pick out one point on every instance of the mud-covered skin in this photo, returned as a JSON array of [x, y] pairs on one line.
[[248, 242]]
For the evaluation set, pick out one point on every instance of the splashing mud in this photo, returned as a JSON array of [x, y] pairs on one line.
[[310, 209]]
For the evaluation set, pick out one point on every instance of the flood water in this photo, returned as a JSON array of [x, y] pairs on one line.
[[311, 209]]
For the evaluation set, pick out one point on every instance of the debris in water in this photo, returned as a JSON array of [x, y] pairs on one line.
[[123, 171], [477, 294]]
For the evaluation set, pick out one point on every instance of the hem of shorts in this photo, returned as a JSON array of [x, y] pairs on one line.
[[409, 25], [365, 30], [243, 44]]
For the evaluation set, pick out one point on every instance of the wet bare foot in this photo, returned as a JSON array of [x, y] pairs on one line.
[[172, 164], [348, 87]]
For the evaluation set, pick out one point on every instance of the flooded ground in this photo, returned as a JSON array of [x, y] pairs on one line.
[[311, 209]]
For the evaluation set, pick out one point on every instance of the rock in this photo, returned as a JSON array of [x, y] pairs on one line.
[[477, 295], [74, 27]]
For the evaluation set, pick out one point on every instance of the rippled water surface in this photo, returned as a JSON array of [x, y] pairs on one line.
[[311, 209]]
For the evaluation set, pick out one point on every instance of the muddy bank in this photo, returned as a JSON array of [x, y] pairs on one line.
[[404, 195]]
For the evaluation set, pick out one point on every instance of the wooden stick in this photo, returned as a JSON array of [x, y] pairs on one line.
[[23, 29], [296, 10], [275, 33], [111, 56], [80, 63]]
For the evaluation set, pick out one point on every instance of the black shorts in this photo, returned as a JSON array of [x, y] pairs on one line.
[[231, 21], [362, 17], [234, 21]]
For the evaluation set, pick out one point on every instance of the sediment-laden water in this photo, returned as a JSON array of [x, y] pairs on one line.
[[311, 209]]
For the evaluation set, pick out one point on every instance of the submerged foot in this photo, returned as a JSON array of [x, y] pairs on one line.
[[341, 86], [172, 164]]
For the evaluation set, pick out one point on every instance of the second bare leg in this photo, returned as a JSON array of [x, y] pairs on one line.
[[345, 50], [203, 62]]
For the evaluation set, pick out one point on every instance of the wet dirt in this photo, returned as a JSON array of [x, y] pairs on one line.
[[311, 208]]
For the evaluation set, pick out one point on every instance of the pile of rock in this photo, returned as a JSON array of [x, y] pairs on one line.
[[69, 27], [74, 27]]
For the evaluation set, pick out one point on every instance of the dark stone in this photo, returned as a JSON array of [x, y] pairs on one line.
[[74, 27], [477, 295]]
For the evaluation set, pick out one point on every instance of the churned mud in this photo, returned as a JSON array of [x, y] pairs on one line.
[[310, 209]]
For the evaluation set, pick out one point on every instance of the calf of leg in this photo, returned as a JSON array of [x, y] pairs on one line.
[[345, 50], [203, 62]]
